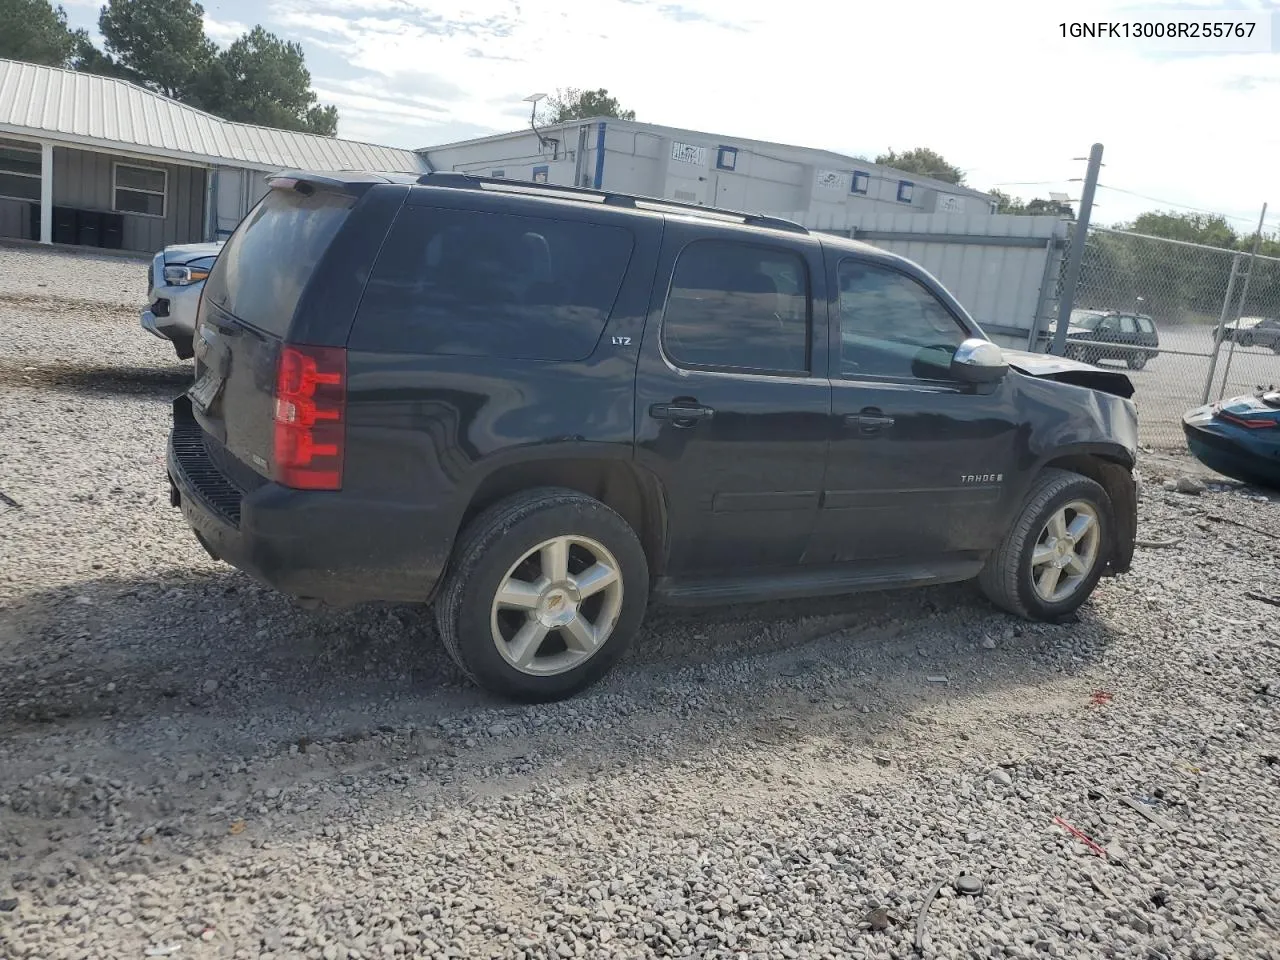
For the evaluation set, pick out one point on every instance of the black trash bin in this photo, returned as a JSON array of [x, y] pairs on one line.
[[113, 231], [89, 228], [64, 225]]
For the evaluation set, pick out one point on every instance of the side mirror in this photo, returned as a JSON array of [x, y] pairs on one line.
[[978, 361]]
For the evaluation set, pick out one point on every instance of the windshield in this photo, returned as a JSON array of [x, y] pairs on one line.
[[1085, 320]]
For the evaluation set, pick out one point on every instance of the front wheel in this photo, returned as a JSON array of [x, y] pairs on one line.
[[1051, 559], [546, 592], [1245, 341]]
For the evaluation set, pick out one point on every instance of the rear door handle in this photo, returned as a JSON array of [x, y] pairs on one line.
[[679, 412]]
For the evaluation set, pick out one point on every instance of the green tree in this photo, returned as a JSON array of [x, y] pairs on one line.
[[922, 161], [574, 104], [36, 31], [1206, 228], [159, 44], [1036, 207], [264, 80]]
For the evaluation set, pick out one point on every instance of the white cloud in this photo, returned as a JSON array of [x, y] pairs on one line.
[[991, 84], [223, 32]]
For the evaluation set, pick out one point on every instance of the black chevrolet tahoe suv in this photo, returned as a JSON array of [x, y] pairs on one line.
[[542, 408]]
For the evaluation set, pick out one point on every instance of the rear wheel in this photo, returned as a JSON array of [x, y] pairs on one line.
[[1136, 361], [547, 591], [1245, 340], [1051, 559]]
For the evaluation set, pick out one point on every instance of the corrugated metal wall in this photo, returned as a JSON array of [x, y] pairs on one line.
[[82, 179], [15, 219], [1003, 268]]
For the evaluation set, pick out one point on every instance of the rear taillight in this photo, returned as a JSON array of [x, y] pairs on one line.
[[310, 417]]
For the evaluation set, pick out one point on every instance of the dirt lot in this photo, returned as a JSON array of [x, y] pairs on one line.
[[192, 767]]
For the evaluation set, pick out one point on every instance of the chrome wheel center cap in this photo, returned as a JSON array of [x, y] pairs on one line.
[[557, 606]]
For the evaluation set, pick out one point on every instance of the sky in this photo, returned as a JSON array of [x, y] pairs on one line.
[[992, 85]]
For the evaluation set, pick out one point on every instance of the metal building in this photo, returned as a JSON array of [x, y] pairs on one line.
[[101, 162], [704, 168]]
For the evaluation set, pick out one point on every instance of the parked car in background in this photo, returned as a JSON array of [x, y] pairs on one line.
[[1251, 332], [175, 281], [540, 407], [1095, 335]]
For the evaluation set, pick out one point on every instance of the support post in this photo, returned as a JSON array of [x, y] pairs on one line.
[[1222, 327], [1068, 299], [1244, 298], [46, 193]]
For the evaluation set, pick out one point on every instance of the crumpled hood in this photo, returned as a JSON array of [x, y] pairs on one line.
[[180, 253], [1049, 367]]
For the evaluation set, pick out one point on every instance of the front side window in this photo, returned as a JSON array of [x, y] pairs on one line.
[[140, 190], [466, 283], [738, 306], [892, 326]]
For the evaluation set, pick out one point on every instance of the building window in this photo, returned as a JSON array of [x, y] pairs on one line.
[[498, 174], [861, 182], [19, 170], [727, 158], [140, 190], [541, 174], [905, 188]]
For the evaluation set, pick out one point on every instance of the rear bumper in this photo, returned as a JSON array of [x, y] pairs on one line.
[[331, 547]]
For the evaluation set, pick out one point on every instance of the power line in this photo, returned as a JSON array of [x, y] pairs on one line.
[[1181, 206]]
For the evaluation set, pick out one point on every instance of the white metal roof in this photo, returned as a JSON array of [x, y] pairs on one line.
[[88, 110]]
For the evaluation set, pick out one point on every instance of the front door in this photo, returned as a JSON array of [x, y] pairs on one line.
[[919, 463], [732, 397]]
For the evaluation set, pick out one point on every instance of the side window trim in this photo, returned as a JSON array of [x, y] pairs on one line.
[[837, 259], [731, 370]]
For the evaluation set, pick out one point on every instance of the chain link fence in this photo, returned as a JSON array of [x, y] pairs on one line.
[[1171, 312]]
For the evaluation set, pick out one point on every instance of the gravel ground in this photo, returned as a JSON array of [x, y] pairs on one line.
[[192, 767]]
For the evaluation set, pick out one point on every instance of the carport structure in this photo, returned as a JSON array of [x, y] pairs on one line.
[[96, 161]]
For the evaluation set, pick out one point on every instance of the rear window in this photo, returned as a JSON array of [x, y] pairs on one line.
[[465, 283], [261, 272]]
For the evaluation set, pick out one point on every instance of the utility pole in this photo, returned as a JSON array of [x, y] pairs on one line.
[[1068, 298]]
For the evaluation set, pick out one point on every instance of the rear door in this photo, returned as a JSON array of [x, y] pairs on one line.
[[732, 396], [270, 270]]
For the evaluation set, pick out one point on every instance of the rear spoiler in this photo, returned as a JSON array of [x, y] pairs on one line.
[[351, 183]]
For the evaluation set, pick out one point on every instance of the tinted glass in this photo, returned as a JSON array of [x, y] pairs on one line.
[[892, 326], [738, 306], [260, 274], [465, 283], [131, 201], [19, 188], [1086, 321], [1128, 325], [1145, 325], [140, 178]]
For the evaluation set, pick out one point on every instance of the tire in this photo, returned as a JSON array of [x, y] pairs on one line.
[[1136, 361], [1245, 341], [1275, 347], [1007, 579], [502, 546]]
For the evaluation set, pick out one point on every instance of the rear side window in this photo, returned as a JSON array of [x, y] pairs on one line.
[[1145, 325], [738, 306], [262, 270], [1128, 325], [464, 283]]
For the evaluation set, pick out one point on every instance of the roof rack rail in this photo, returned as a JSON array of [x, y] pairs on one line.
[[609, 198]]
